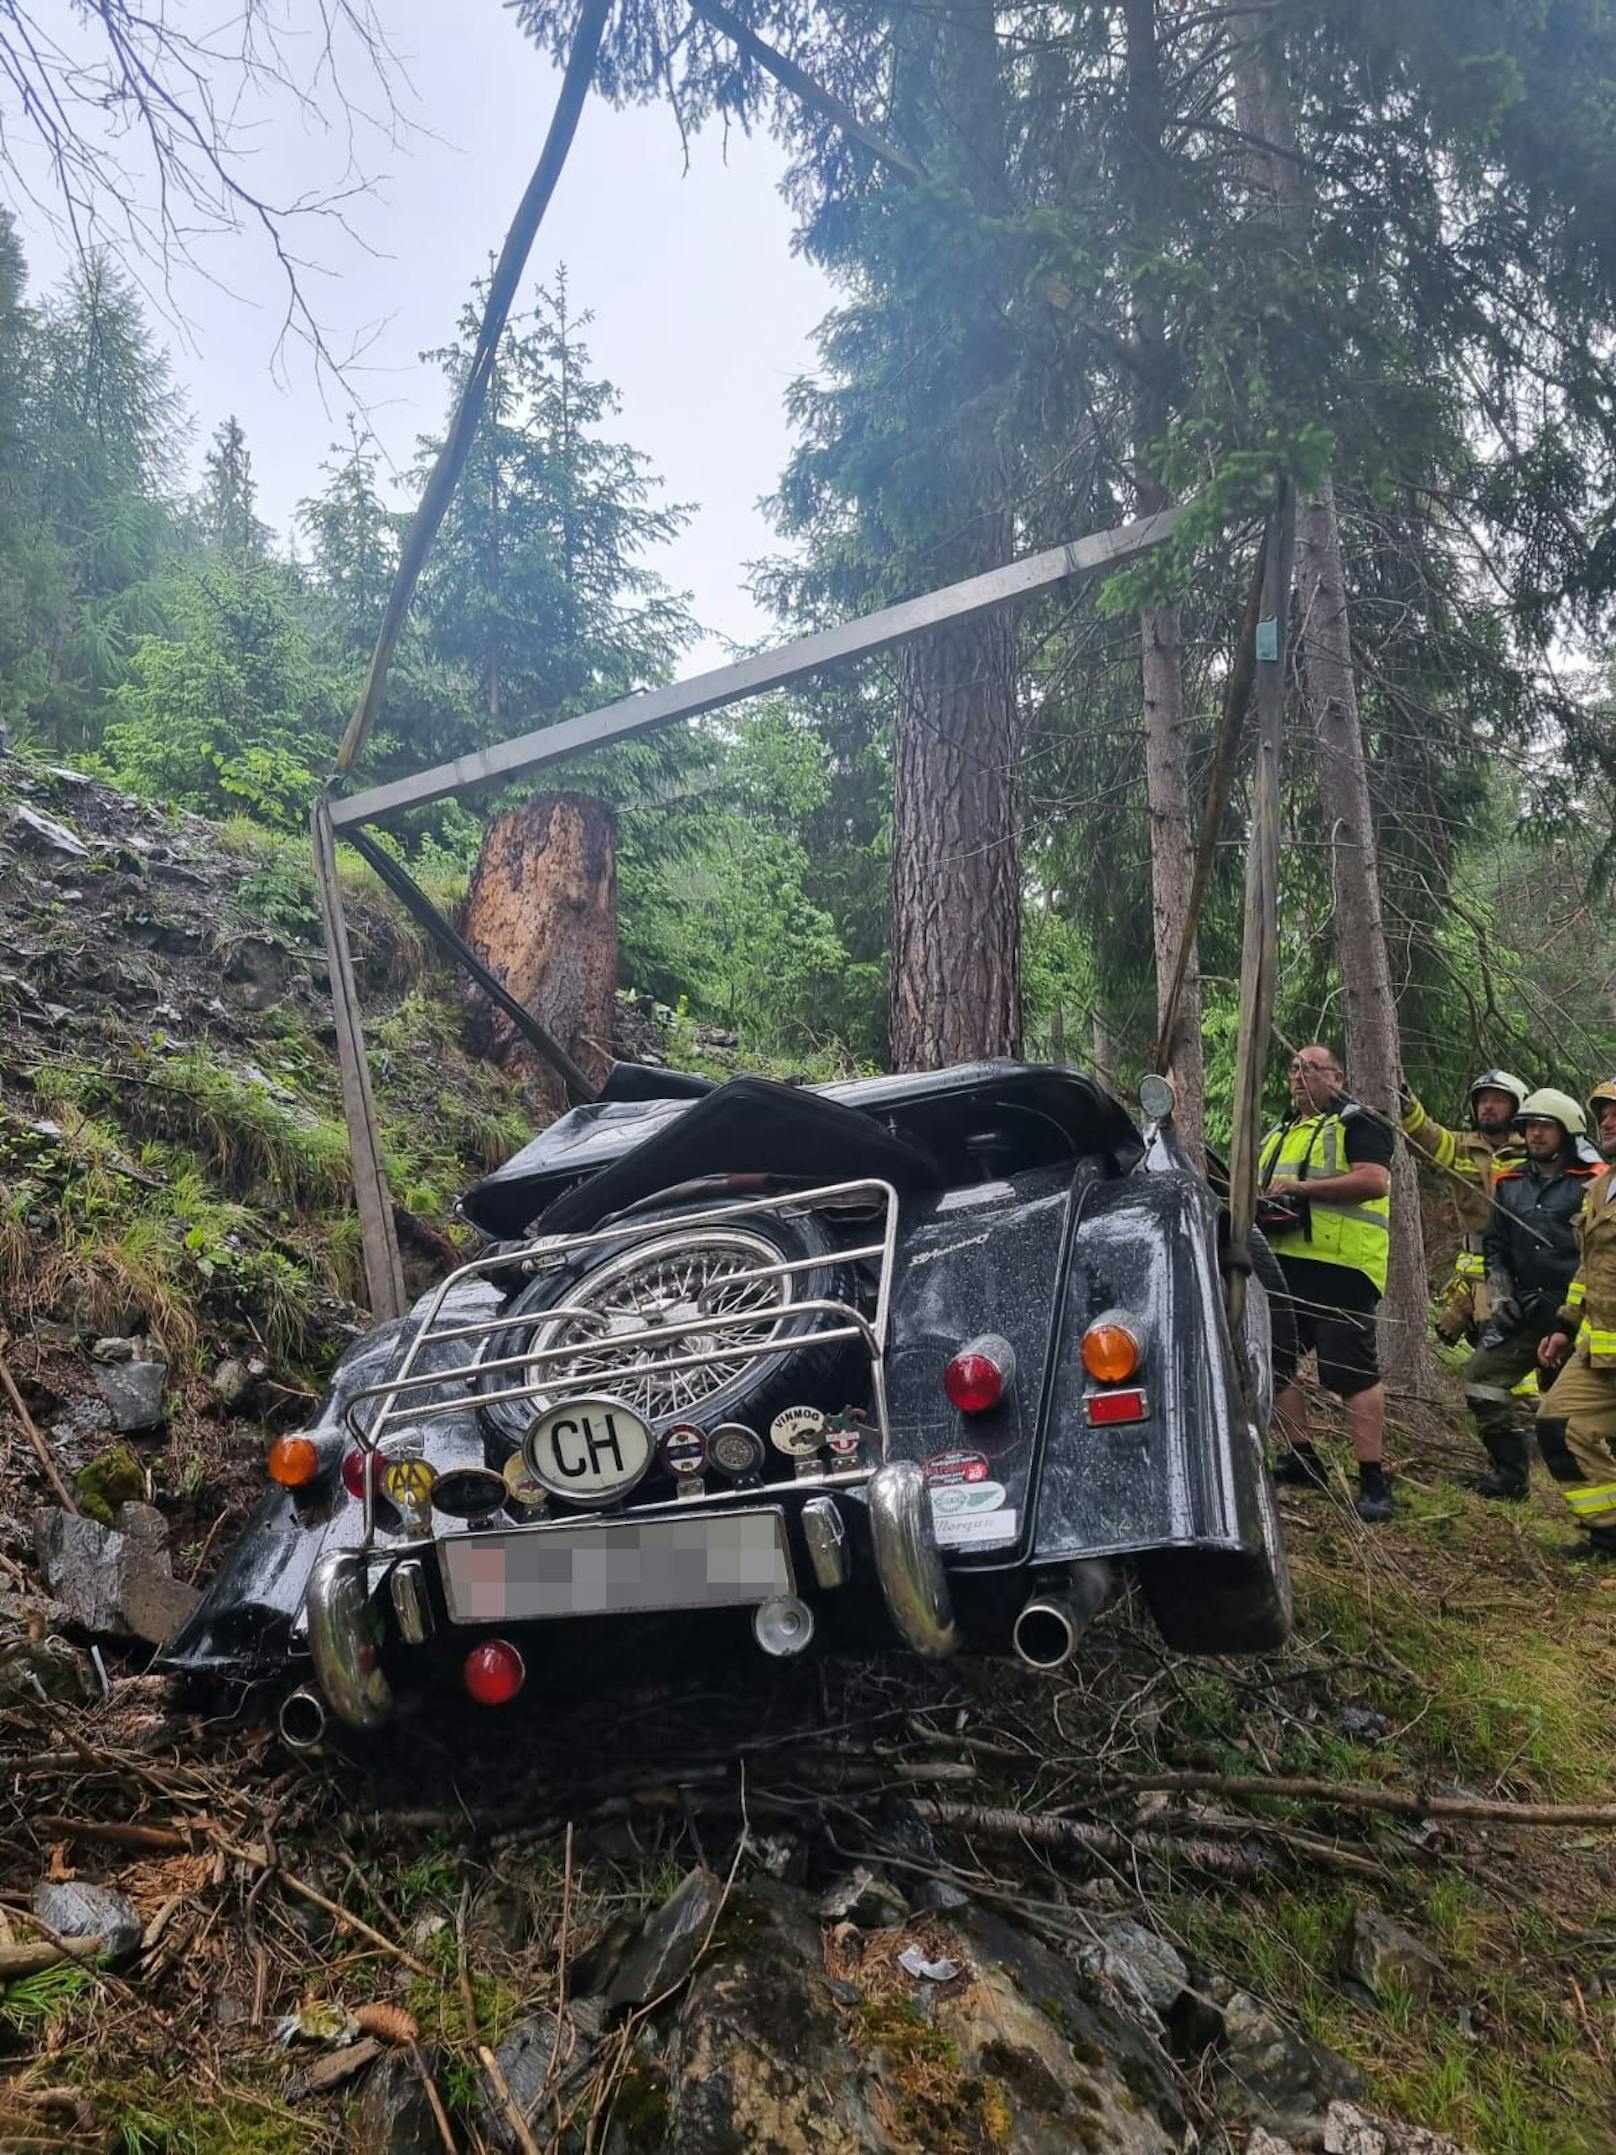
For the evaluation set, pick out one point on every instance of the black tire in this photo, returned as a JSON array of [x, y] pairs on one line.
[[644, 1268], [1266, 1268], [1216, 1601]]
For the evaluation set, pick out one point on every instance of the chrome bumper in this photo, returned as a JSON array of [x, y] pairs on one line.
[[345, 1637], [345, 1621]]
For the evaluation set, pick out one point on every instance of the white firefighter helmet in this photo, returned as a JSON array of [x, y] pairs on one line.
[[1547, 1105]]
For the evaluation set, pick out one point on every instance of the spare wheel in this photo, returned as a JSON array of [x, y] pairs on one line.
[[663, 1274]]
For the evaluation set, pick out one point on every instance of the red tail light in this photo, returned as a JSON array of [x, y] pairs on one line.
[[494, 1672], [980, 1374], [353, 1472]]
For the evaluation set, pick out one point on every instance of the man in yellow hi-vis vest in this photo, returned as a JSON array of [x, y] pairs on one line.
[[1325, 1181], [1583, 1396]]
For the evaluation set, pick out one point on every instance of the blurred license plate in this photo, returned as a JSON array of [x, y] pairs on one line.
[[615, 1567]]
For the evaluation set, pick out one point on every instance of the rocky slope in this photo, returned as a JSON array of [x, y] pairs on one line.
[[1151, 1905]]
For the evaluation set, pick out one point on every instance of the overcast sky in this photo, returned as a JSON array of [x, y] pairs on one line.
[[703, 314]]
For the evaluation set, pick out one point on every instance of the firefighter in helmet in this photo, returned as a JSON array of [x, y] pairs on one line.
[[1530, 1248], [1582, 1347], [1490, 1145]]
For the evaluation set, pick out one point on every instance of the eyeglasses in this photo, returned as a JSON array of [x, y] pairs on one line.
[[1313, 1069]]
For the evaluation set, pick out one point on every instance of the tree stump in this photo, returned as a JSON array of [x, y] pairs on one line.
[[542, 916]]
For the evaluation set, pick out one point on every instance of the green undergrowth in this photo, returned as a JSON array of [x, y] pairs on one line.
[[197, 1191], [1484, 1666], [150, 2114], [1497, 2058]]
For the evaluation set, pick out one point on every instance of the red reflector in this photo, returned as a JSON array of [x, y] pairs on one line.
[[353, 1472], [1129, 1406], [494, 1672], [980, 1374]]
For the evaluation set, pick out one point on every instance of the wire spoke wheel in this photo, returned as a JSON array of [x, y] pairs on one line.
[[709, 1272]]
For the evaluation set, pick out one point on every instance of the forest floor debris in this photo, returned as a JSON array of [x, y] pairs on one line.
[[482, 1886]]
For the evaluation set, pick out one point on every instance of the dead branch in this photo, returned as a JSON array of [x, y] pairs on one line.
[[17, 1960], [518, 2124], [122, 1834], [1366, 1796], [30, 1430], [1105, 1843]]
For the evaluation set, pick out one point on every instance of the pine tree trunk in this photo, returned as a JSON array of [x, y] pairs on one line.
[[956, 857], [1167, 763], [956, 862], [1373, 1048], [1103, 1050], [1374, 1056], [1172, 859], [542, 915]]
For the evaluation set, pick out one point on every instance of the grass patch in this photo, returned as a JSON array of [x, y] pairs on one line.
[[1513, 1702], [152, 2116], [33, 2002]]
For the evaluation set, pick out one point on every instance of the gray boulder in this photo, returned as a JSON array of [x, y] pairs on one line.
[[1276, 2077], [1387, 1959], [1351, 2131], [43, 834], [392, 2115], [135, 1393], [672, 1936], [768, 2052], [1143, 1968], [232, 1384], [865, 1897], [74, 1910], [117, 1585]]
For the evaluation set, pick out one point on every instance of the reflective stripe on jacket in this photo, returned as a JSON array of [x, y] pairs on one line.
[[1466, 1153], [1356, 1235], [1591, 1299]]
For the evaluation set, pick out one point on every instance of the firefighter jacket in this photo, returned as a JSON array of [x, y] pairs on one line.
[[1590, 1306], [1358, 1234], [1466, 1153], [1533, 1232]]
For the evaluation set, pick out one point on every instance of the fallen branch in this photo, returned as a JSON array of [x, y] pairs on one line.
[[429, 2089], [518, 2124], [259, 1859], [20, 1960], [1367, 1796], [1104, 1842], [30, 1430], [124, 1835]]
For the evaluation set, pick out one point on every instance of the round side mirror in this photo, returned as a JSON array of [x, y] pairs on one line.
[[1157, 1098]]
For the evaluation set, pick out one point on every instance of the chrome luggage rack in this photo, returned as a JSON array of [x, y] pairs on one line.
[[413, 1395]]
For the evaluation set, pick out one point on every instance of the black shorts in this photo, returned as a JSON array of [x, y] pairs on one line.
[[1334, 1307]]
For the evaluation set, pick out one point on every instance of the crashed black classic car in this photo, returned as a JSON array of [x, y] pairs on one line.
[[950, 1347]]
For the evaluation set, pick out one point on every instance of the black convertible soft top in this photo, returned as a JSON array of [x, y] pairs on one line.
[[891, 1127]]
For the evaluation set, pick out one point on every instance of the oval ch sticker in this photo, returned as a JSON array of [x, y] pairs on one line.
[[589, 1450]]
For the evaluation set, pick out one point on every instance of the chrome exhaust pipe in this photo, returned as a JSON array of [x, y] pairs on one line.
[[302, 1719], [345, 1640], [1059, 1610], [908, 1562]]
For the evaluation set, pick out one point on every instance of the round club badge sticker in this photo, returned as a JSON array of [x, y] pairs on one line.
[[736, 1450], [522, 1486], [683, 1448], [409, 1483], [799, 1432], [468, 1492]]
